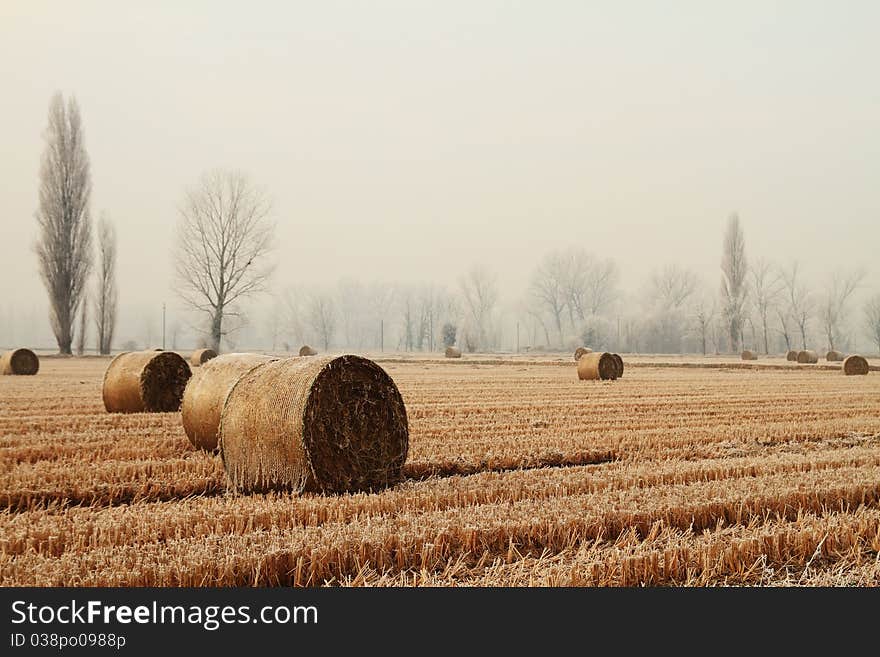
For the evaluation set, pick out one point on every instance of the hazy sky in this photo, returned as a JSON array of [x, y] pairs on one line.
[[409, 140]]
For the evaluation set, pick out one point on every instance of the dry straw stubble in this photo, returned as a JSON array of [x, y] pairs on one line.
[[206, 391], [855, 365], [19, 362], [201, 356], [145, 381], [329, 424], [597, 365]]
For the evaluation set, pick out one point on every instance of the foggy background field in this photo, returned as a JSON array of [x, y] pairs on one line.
[[406, 142]]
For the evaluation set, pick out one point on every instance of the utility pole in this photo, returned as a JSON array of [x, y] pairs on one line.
[[381, 335], [163, 327], [517, 337]]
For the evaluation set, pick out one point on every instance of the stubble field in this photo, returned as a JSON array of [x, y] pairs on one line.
[[518, 474]]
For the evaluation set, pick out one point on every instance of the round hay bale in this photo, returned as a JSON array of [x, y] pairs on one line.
[[580, 351], [206, 391], [834, 356], [145, 382], [597, 365], [855, 365], [201, 356], [452, 352], [329, 424], [619, 362], [807, 356], [20, 362], [747, 354], [792, 356], [306, 350]]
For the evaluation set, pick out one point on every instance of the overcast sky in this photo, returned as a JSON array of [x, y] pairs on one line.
[[409, 140]]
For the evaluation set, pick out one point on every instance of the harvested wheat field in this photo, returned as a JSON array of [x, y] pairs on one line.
[[518, 473]]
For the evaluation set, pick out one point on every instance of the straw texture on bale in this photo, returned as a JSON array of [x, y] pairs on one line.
[[580, 351], [834, 356], [19, 361], [452, 352], [328, 424], [145, 381], [749, 355], [597, 365], [807, 356], [619, 362], [206, 391], [792, 356], [306, 350], [855, 365], [201, 356]]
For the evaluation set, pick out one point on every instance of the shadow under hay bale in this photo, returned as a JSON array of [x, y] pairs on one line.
[[597, 365], [19, 362], [145, 382], [807, 357], [452, 352], [201, 356], [329, 424], [747, 354], [792, 356], [834, 356], [206, 391], [855, 366], [580, 351], [306, 350]]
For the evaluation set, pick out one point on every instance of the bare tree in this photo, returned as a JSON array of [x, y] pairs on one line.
[[479, 288], [83, 324], [872, 319], [733, 282], [105, 294], [765, 291], [321, 316], [800, 302], [64, 246], [784, 324], [224, 236], [704, 315], [840, 289], [672, 286], [669, 290], [552, 288]]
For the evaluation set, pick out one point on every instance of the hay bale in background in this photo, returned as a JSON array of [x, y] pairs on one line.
[[792, 356], [306, 350], [334, 423], [834, 356], [855, 365], [747, 354], [201, 356], [19, 362], [452, 352], [597, 365], [580, 351], [145, 381], [206, 391], [807, 356]]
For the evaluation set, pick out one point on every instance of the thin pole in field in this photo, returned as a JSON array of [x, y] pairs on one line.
[[163, 326]]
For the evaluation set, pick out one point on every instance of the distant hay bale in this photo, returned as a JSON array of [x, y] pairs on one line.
[[619, 362], [597, 365], [580, 351], [306, 350], [329, 424], [748, 354], [834, 356], [792, 356], [807, 356], [145, 381], [452, 352], [201, 356], [206, 391], [19, 362], [855, 365]]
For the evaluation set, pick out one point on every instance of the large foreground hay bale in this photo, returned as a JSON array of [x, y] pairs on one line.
[[834, 356], [452, 352], [206, 391], [201, 356], [807, 356], [580, 351], [747, 354], [329, 424], [855, 365], [145, 381], [597, 365], [792, 356], [306, 350], [19, 361]]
